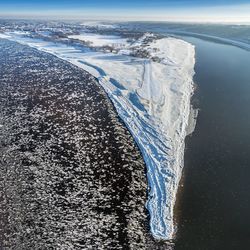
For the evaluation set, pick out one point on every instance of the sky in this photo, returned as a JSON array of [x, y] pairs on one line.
[[158, 10]]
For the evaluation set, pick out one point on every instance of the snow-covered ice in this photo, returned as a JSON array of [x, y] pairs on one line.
[[100, 40], [153, 99]]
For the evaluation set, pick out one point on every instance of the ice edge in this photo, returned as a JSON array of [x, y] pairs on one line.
[[163, 170]]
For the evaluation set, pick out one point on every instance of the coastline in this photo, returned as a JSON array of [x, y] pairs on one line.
[[167, 179], [194, 112], [64, 177]]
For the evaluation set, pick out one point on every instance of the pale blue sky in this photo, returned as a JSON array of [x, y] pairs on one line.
[[131, 9]]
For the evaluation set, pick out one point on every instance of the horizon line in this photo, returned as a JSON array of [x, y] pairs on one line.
[[206, 20]]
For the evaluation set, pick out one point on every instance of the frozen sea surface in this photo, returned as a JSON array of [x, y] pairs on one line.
[[71, 176]]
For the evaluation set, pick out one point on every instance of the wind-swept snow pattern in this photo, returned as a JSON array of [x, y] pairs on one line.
[[152, 96]]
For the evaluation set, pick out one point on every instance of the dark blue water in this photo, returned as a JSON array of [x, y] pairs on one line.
[[215, 201]]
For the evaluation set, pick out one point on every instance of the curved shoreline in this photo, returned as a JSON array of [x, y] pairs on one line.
[[72, 164], [160, 139]]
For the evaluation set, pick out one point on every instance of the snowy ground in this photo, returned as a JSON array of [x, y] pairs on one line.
[[98, 24], [100, 40], [152, 95]]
